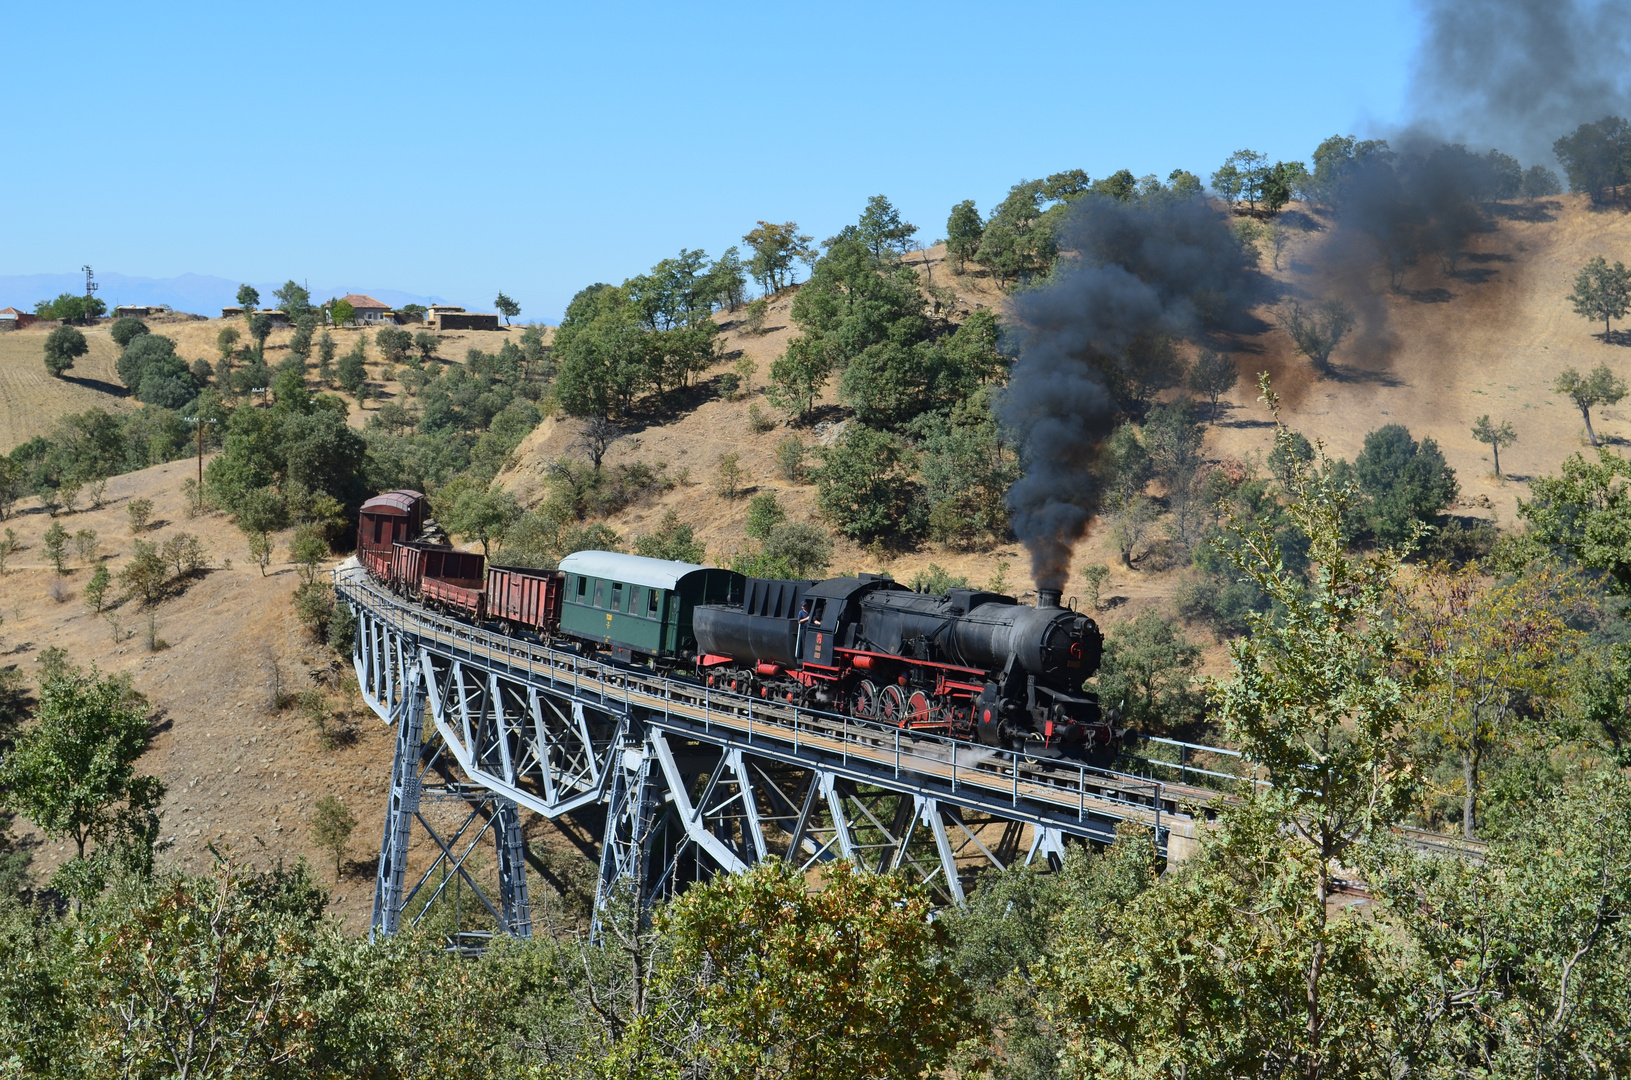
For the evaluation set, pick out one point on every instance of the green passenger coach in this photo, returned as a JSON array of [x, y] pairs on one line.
[[639, 607]]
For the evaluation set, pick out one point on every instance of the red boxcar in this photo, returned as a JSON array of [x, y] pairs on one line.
[[526, 598], [395, 517], [412, 563]]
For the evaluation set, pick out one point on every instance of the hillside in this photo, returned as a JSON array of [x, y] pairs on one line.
[[1488, 339]]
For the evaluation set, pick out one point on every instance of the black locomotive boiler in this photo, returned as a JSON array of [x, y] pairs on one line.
[[970, 663]]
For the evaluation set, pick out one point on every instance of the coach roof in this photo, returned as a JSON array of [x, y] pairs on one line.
[[629, 569]]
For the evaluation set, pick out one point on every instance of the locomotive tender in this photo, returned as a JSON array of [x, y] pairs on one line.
[[970, 663]]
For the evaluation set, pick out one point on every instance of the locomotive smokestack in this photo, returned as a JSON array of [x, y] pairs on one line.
[[1046, 598]]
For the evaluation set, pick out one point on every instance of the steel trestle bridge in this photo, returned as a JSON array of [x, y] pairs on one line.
[[694, 781]]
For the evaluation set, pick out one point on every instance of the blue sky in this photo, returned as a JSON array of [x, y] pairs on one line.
[[454, 150]]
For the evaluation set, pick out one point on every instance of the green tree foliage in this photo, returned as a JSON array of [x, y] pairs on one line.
[[63, 346], [1149, 674], [507, 307], [352, 370], [842, 982], [965, 467], [882, 231], [393, 344], [1585, 513], [125, 330], [478, 513], [71, 308], [97, 588], [1494, 436], [600, 352], [1018, 241], [1595, 157], [1602, 292], [1487, 651], [260, 328], [963, 230], [1600, 387], [798, 375], [248, 298], [226, 341], [764, 514], [154, 372], [1242, 178], [1540, 182], [332, 823], [1404, 484], [341, 313], [863, 484], [776, 248], [671, 539], [293, 300], [72, 771], [55, 541]]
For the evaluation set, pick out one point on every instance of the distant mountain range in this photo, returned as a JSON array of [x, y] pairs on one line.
[[199, 294]]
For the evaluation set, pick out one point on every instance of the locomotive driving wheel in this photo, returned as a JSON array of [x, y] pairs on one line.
[[892, 706], [863, 700], [918, 708]]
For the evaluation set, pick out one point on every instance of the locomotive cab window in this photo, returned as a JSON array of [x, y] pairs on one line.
[[818, 614]]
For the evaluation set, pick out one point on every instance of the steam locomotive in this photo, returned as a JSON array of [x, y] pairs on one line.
[[969, 663]]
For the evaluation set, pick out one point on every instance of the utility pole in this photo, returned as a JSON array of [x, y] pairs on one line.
[[90, 290], [199, 422]]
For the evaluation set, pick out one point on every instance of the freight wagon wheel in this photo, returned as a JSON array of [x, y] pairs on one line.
[[892, 706], [863, 700], [918, 708]]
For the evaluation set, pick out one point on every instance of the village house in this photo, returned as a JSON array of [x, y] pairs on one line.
[[12, 319], [368, 309]]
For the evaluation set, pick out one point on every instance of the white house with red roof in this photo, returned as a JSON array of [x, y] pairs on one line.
[[368, 309]]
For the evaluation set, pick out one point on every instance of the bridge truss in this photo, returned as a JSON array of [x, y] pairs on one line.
[[693, 781]]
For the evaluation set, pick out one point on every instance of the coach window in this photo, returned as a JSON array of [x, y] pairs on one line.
[[583, 586], [634, 600], [600, 593], [651, 602], [617, 596]]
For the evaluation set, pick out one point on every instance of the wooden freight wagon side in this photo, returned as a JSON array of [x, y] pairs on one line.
[[465, 597], [412, 563], [525, 597]]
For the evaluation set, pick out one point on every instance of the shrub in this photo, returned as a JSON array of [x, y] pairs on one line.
[[671, 540], [56, 546], [790, 459], [140, 512], [96, 589], [331, 826], [730, 474], [759, 420], [342, 629], [937, 579], [126, 330], [146, 575], [85, 545], [184, 552], [764, 514], [314, 607], [1093, 575]]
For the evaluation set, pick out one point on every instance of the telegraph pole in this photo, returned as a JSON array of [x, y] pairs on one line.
[[199, 422], [90, 290]]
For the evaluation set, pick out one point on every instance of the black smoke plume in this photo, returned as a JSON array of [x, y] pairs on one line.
[[1519, 73], [1132, 275]]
